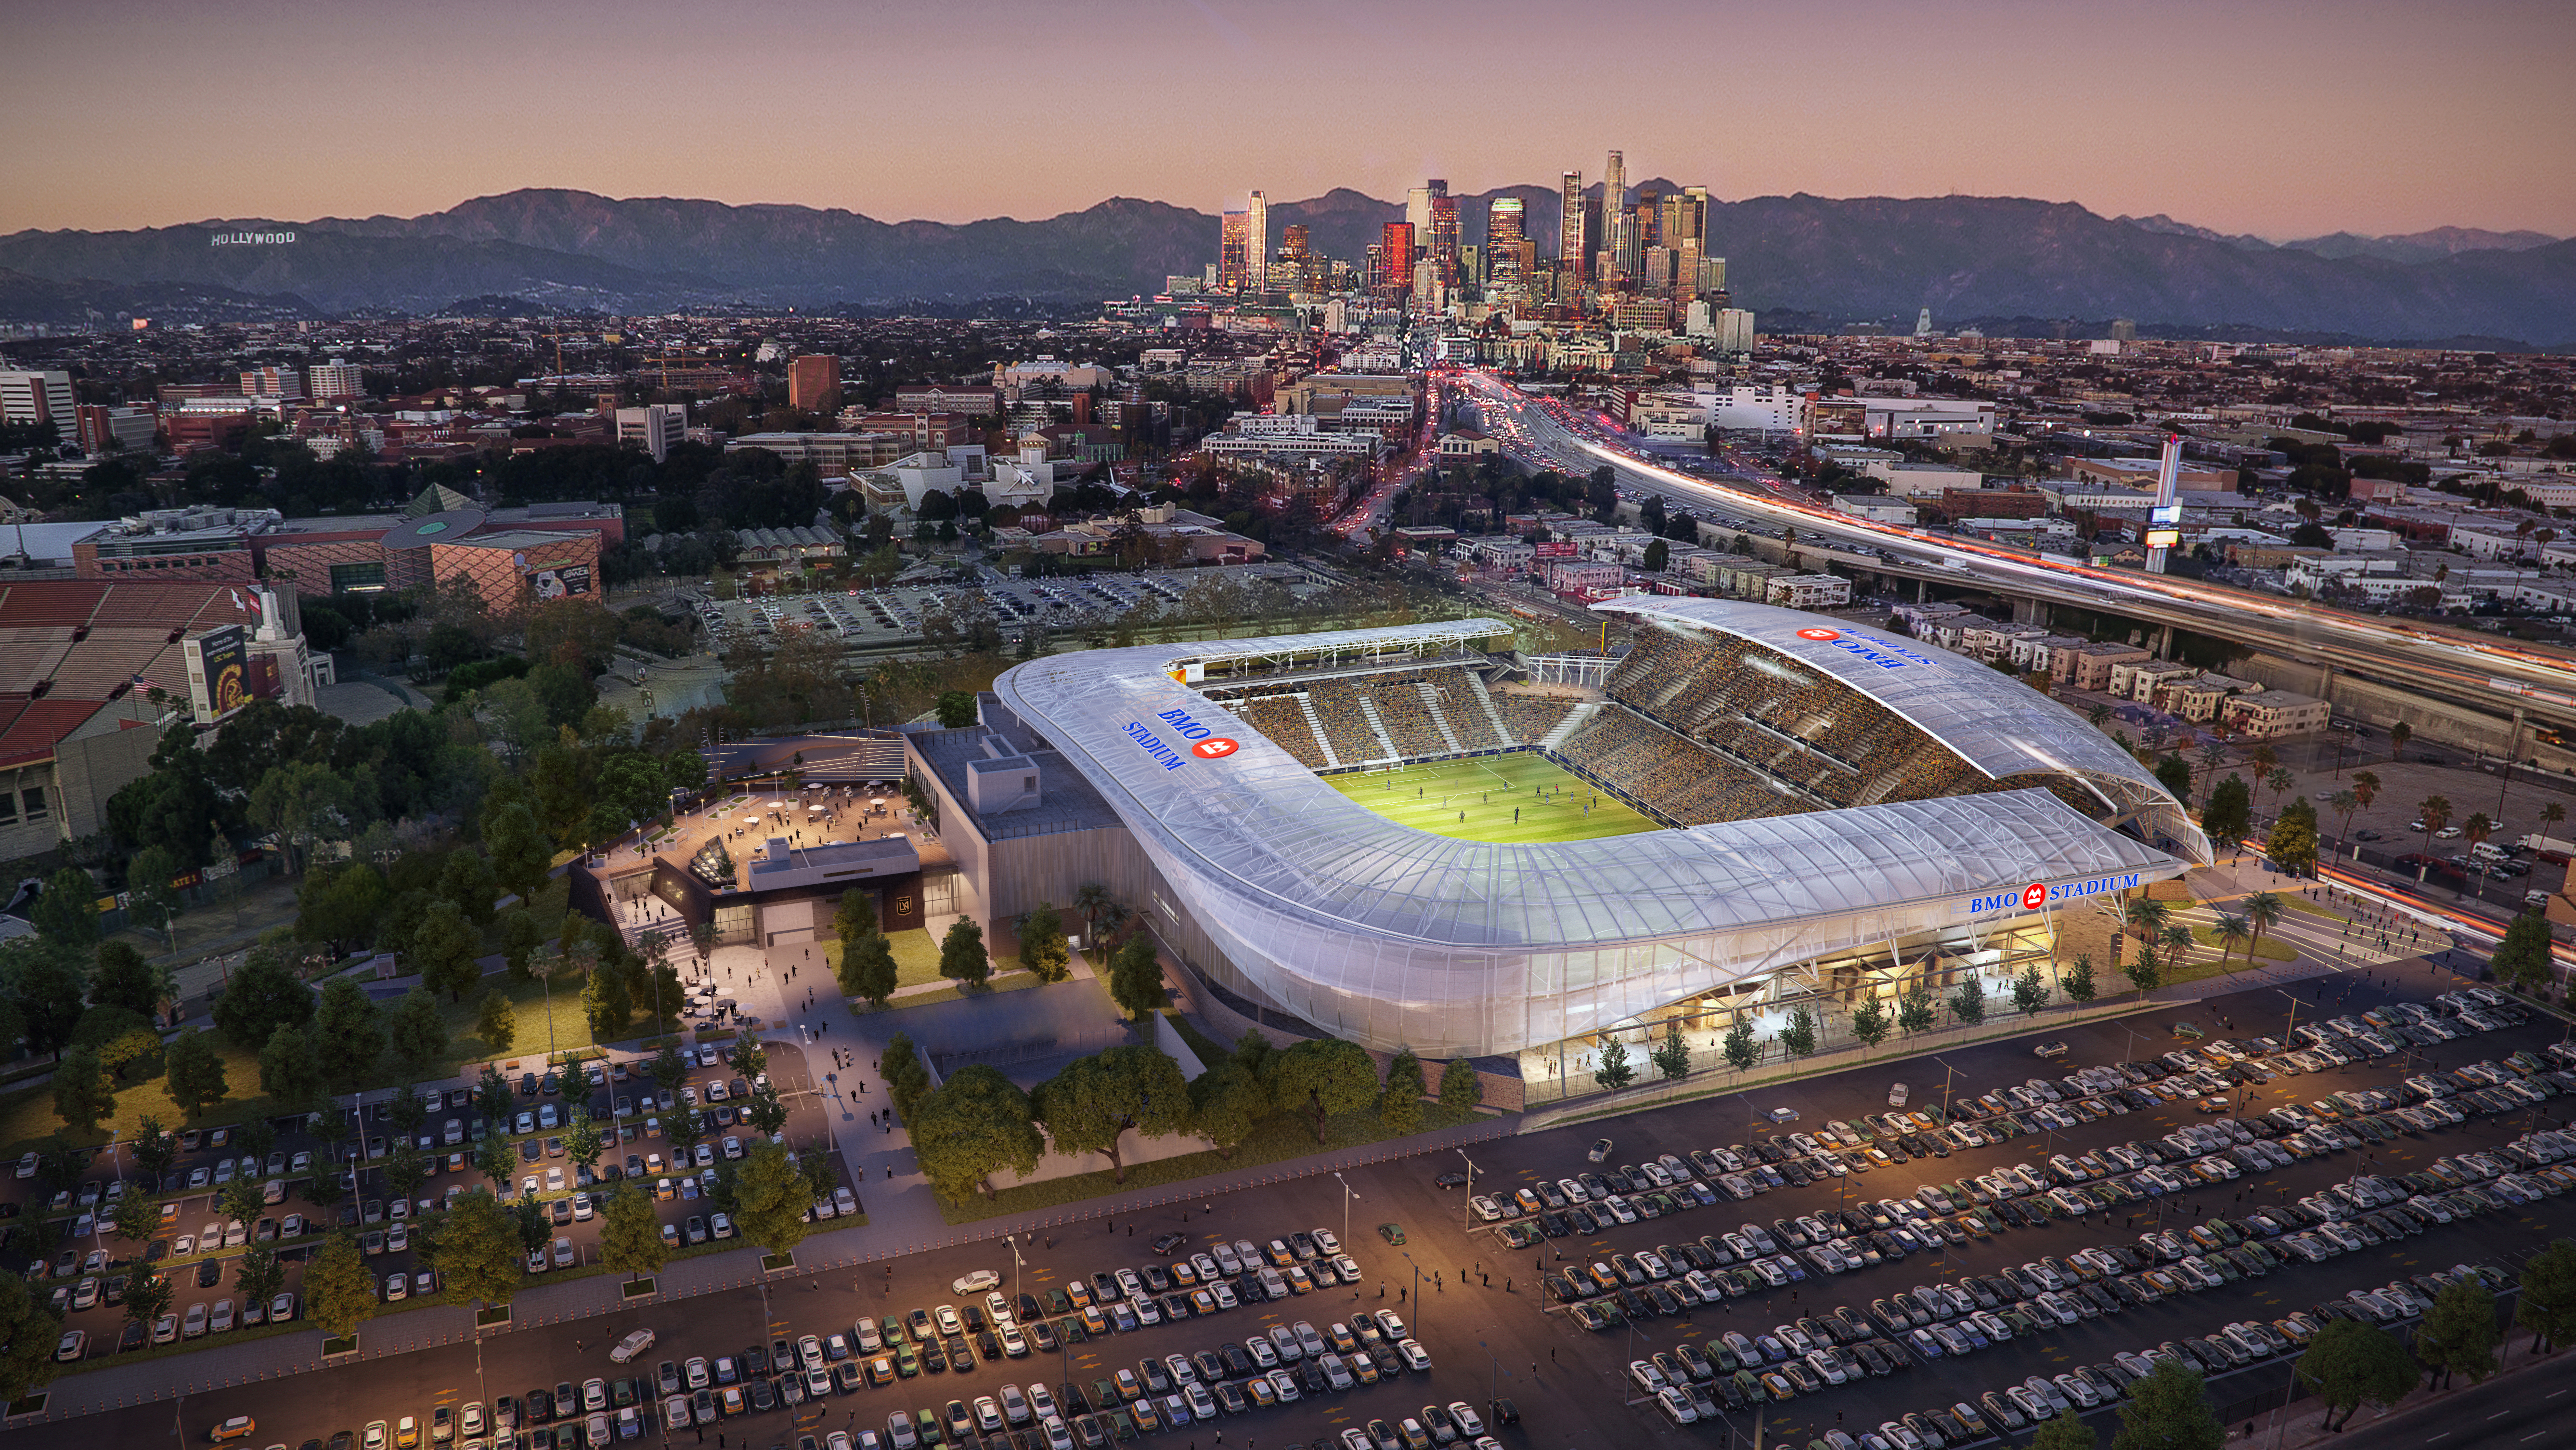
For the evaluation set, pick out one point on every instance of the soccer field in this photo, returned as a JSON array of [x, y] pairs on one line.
[[1517, 798]]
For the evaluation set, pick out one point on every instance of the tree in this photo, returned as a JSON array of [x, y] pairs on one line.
[[521, 939], [67, 914], [1093, 903], [496, 1021], [630, 1234], [194, 1071], [2143, 973], [1672, 1055], [122, 978], [259, 1276], [1741, 1050], [1399, 1107], [2228, 816], [2029, 993], [147, 1296], [2174, 774], [1461, 1089], [2435, 812], [1042, 944], [2548, 1304], [765, 1112], [137, 1217], [2263, 911], [339, 1292], [868, 969], [82, 1094], [521, 852], [2178, 942], [480, 1255], [606, 1003], [1871, 1023], [2077, 981], [1614, 1072], [1227, 1102], [962, 957], [906, 1080], [2398, 735], [1968, 1003], [684, 1125], [155, 1147], [747, 1057], [492, 1095], [669, 1068], [1798, 1034], [442, 950], [28, 1331], [2349, 1362], [1095, 1099], [976, 1124], [1136, 977], [1322, 1077], [467, 882], [240, 1201], [770, 1198], [2064, 1432], [2169, 1410], [2522, 958], [2458, 1335], [495, 1161], [349, 1034], [418, 1031], [263, 993], [41, 986], [956, 709], [1915, 1011], [331, 1127], [2233, 930], [2293, 842]]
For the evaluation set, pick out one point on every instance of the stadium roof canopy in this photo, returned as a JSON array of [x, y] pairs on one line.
[[1394, 936]]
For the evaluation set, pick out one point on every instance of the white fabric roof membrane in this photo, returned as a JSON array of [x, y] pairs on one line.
[[1395, 936]]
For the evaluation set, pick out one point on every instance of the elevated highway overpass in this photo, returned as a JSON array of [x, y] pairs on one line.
[[2480, 673]]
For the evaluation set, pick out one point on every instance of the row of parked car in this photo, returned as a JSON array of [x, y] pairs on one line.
[[2013, 1408]]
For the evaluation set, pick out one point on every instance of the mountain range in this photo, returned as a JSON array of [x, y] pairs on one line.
[[1857, 258]]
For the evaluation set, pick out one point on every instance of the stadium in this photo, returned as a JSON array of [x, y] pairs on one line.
[[1414, 837]]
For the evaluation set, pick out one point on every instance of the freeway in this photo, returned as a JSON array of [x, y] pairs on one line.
[[2473, 670]]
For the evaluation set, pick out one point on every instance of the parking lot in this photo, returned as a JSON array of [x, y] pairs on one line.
[[201, 1251], [1493, 1329], [866, 618]]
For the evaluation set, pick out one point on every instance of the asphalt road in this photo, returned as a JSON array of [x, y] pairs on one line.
[[2517, 1410], [1486, 1338]]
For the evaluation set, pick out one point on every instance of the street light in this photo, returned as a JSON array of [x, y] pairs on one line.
[[1470, 1211], [1016, 1264], [1347, 1196]]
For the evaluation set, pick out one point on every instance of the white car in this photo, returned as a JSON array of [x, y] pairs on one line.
[[631, 1346], [977, 1282]]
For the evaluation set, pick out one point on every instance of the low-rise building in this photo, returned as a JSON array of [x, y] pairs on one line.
[[1878, 507], [2275, 714], [1808, 591]]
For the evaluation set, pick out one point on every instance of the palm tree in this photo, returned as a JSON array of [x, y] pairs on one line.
[[2148, 916], [2398, 735], [2345, 803], [2231, 931], [2178, 944], [1090, 900], [2435, 812], [2550, 815], [2099, 715], [2263, 911], [2212, 756], [2281, 782]]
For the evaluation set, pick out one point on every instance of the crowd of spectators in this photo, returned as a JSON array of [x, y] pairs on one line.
[[1281, 721]]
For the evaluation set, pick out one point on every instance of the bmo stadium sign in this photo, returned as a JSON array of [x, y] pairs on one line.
[[1197, 740], [1867, 648], [2039, 894]]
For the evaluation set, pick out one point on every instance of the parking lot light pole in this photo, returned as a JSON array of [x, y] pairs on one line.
[[1347, 1196], [1469, 1219], [1016, 1262]]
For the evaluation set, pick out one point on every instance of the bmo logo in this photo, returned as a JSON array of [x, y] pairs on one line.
[[1216, 748], [2034, 896], [1820, 635]]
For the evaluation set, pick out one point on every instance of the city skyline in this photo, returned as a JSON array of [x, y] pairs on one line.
[[2268, 121]]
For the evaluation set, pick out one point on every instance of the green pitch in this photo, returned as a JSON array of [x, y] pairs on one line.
[[1476, 800]]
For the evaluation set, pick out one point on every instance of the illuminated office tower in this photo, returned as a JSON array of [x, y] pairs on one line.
[[1233, 251], [1256, 250], [1619, 225], [1417, 208], [1441, 243], [1293, 243], [1506, 227], [1397, 254], [1573, 248]]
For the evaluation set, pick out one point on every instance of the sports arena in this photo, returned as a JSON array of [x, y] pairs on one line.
[[1413, 836]]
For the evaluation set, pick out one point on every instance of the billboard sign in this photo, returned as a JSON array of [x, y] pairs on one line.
[[561, 582], [219, 672], [1555, 550]]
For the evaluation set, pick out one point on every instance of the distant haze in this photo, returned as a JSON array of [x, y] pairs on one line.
[[2295, 119]]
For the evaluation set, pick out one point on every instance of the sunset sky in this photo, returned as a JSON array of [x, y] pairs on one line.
[[2282, 119]]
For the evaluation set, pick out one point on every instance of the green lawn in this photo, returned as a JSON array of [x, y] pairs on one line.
[[916, 958], [1520, 799]]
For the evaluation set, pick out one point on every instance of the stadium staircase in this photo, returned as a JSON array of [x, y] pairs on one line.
[[1879, 789], [1485, 702], [1431, 702], [1377, 726], [1315, 722], [1574, 720]]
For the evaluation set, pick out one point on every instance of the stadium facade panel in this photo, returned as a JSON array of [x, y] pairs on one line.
[[1396, 937]]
